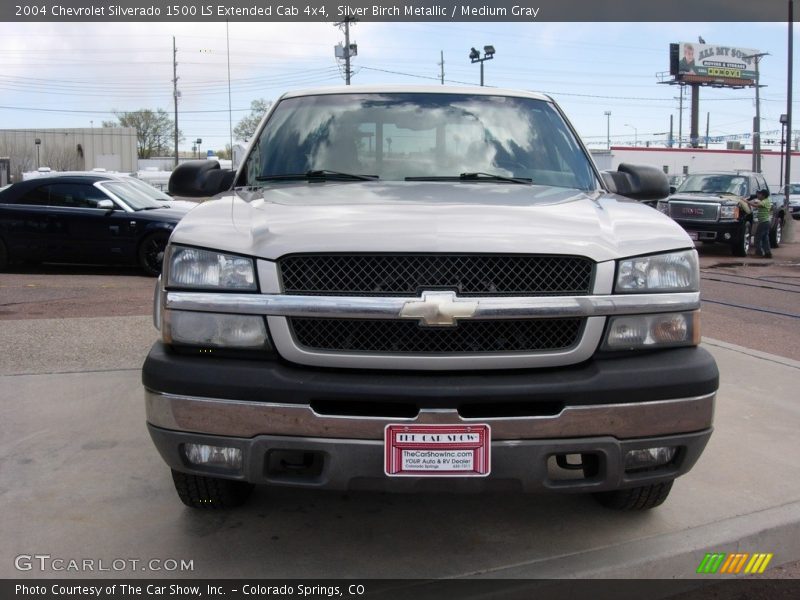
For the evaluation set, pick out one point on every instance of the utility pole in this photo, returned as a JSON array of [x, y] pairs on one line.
[[787, 176], [175, 92], [349, 50], [441, 65], [608, 129], [670, 142], [708, 123], [757, 120]]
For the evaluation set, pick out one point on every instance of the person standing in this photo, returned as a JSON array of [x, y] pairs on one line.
[[762, 214]]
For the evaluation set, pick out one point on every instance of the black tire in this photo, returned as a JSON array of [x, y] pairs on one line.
[[637, 498], [210, 493], [742, 245], [3, 256], [776, 234], [151, 252]]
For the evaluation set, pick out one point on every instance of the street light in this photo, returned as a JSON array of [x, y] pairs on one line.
[[635, 134], [608, 129], [475, 56], [38, 143]]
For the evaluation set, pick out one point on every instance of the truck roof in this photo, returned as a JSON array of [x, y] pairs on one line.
[[416, 89]]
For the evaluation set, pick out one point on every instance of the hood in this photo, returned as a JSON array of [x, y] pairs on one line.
[[160, 214], [181, 205], [452, 217]]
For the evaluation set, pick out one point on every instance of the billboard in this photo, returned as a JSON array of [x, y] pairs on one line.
[[712, 64]]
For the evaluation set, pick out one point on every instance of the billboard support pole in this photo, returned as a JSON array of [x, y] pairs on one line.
[[695, 135]]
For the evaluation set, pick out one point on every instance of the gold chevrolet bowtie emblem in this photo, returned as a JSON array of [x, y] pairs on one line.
[[438, 309]]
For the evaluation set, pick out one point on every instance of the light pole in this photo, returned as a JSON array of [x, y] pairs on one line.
[[475, 57], [38, 143], [783, 119], [608, 129], [635, 134]]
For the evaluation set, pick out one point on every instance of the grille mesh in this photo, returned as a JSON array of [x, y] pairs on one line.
[[697, 211], [391, 336], [467, 275]]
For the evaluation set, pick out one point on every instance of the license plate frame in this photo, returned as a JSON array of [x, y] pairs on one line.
[[437, 450]]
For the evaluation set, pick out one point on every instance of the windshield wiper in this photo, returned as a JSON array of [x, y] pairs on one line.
[[318, 174], [476, 176]]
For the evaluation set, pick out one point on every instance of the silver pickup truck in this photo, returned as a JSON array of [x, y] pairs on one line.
[[411, 288]]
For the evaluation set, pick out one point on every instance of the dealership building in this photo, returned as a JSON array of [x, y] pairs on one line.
[[111, 148]]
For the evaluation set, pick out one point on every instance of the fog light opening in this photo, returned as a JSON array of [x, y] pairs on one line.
[[221, 457], [727, 236], [572, 467], [646, 459]]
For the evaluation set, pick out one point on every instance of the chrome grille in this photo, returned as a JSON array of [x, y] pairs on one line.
[[405, 337], [694, 211], [409, 274]]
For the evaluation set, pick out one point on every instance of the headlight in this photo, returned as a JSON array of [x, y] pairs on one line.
[[206, 269], [214, 330], [663, 206], [728, 211], [635, 332], [673, 272]]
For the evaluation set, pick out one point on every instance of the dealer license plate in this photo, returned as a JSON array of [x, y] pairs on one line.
[[437, 450], [693, 235]]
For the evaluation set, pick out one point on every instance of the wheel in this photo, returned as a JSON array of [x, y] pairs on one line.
[[151, 252], [637, 498], [3, 256], [776, 234], [742, 245], [210, 493]]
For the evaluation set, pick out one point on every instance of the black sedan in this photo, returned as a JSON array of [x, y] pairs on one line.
[[83, 219]]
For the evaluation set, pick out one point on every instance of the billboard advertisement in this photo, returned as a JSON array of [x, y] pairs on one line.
[[691, 60]]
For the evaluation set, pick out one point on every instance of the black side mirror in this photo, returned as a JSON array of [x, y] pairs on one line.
[[639, 182], [672, 189], [200, 178]]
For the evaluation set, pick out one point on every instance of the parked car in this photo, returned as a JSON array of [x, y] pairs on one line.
[[408, 285], [83, 219], [143, 187], [794, 199], [713, 207]]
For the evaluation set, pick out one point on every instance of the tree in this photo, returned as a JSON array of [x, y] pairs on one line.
[[155, 131], [245, 128]]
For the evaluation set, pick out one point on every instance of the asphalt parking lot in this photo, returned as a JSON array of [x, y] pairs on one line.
[[80, 478]]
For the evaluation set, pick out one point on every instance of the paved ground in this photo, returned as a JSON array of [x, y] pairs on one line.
[[80, 479]]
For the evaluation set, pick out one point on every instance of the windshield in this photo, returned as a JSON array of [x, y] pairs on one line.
[[148, 190], [130, 195], [715, 184], [794, 188], [395, 136]]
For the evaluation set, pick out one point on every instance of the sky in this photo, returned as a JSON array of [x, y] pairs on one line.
[[57, 75]]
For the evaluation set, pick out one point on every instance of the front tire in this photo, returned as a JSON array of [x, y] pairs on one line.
[[151, 252], [742, 245], [643, 497], [210, 493]]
